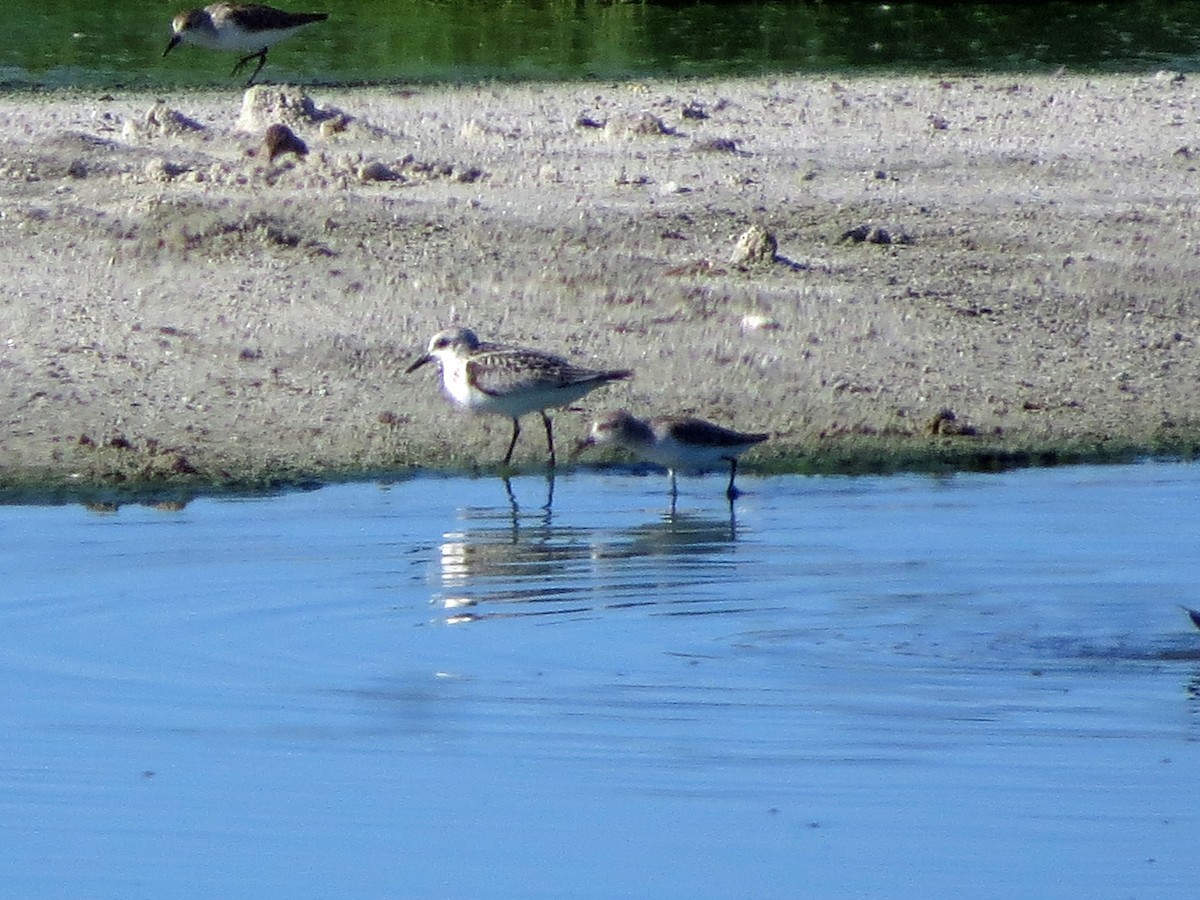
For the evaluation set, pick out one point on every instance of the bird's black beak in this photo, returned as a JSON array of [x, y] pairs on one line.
[[420, 362], [175, 41]]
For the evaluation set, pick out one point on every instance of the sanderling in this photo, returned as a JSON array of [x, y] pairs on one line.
[[509, 381], [675, 442], [238, 27]]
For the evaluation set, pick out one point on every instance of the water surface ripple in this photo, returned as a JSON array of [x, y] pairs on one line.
[[979, 685]]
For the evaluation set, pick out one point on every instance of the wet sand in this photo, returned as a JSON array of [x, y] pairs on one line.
[[967, 272]]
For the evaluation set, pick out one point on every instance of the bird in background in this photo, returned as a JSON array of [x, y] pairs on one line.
[[675, 442], [484, 377], [249, 28]]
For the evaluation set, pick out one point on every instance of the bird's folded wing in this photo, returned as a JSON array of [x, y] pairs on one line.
[[504, 373]]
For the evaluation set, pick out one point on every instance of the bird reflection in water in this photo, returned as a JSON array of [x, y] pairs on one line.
[[520, 553], [516, 507], [677, 534], [520, 562]]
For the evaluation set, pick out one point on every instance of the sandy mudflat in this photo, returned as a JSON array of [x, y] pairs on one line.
[[179, 310]]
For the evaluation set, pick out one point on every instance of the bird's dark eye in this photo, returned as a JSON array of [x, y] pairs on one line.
[[441, 343]]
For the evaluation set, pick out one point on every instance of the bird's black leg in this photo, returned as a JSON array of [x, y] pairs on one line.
[[731, 492], [260, 55], [262, 61], [512, 497], [241, 63], [549, 436], [513, 442]]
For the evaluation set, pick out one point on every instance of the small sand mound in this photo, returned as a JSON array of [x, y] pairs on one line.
[[160, 121], [264, 105]]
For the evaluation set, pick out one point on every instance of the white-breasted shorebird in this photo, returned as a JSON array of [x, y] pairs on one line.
[[675, 442], [509, 381], [249, 28]]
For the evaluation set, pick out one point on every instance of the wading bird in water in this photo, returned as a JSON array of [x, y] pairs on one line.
[[674, 442]]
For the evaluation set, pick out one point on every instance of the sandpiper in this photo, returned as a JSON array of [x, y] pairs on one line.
[[509, 381], [676, 442], [239, 27]]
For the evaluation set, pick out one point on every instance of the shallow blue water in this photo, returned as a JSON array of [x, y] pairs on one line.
[[978, 685]]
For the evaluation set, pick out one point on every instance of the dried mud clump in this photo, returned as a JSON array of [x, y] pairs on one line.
[[377, 171], [946, 423], [756, 245], [163, 170], [876, 234], [280, 139], [118, 459], [718, 145], [640, 124]]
